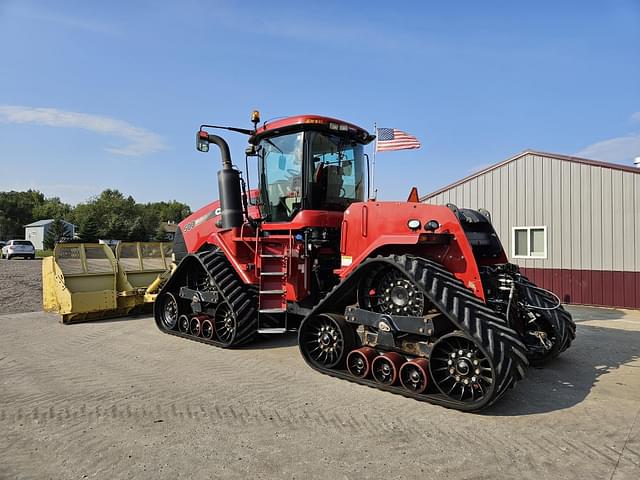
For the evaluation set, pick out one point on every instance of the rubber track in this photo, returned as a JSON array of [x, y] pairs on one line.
[[241, 298], [466, 311], [559, 318]]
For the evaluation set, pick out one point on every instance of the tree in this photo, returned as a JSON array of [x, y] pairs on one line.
[[172, 211], [115, 212], [17, 210], [110, 215], [56, 232], [116, 229], [161, 234], [89, 231], [137, 232], [52, 208], [156, 212]]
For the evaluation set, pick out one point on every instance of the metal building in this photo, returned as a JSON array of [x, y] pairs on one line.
[[37, 231], [572, 224]]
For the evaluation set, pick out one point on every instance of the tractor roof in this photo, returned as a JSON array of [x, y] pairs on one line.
[[315, 122]]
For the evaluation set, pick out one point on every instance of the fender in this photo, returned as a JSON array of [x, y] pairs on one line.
[[369, 228]]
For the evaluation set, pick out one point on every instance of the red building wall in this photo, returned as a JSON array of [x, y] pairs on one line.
[[589, 287]]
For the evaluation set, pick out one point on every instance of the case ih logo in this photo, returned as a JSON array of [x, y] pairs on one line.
[[191, 225]]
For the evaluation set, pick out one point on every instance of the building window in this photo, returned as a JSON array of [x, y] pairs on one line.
[[529, 242]]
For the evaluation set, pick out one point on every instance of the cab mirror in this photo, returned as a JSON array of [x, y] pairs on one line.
[[202, 141], [282, 162]]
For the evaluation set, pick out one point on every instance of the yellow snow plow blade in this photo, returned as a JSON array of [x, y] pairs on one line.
[[86, 281]]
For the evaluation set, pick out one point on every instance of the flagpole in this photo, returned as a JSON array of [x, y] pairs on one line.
[[372, 193]]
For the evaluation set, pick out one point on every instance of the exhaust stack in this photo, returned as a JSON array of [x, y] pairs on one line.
[[228, 181]]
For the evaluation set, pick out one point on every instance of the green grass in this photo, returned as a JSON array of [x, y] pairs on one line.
[[44, 253]]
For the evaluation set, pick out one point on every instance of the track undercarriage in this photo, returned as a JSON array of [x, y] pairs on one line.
[[205, 301], [451, 349], [402, 324]]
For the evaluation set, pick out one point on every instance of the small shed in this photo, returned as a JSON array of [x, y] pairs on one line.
[[37, 231], [169, 229], [572, 224]]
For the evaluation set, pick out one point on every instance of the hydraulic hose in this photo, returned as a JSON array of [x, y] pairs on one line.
[[509, 302], [535, 307]]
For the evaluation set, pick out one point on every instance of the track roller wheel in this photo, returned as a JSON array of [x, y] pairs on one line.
[[413, 375], [359, 361], [195, 326], [207, 329], [461, 369], [385, 367], [325, 340], [169, 311], [184, 323]]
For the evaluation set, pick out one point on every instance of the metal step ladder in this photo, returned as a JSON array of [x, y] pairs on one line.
[[272, 298]]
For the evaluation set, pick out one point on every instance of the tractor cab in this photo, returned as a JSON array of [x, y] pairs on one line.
[[309, 163]]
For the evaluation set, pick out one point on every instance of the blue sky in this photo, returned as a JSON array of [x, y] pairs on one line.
[[98, 95]]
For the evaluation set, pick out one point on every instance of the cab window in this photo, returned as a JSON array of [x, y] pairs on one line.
[[281, 182], [336, 172]]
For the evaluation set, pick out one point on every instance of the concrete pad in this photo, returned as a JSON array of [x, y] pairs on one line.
[[119, 399]]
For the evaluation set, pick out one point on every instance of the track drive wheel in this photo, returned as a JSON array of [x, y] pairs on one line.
[[390, 291], [325, 340], [461, 369]]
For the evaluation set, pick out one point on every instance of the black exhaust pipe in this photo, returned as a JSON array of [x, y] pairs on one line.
[[228, 187]]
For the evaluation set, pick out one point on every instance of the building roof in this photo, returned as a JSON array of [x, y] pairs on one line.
[[43, 223], [566, 158]]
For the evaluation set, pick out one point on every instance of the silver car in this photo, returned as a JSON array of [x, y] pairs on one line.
[[19, 248]]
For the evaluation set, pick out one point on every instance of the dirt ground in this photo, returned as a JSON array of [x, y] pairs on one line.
[[20, 285], [118, 399]]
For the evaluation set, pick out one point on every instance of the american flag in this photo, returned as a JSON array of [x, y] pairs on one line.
[[394, 139]]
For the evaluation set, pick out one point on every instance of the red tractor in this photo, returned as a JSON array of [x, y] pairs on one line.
[[411, 298]]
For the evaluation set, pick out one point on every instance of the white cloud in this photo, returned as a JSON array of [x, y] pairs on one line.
[[328, 32], [138, 140], [618, 149], [40, 14]]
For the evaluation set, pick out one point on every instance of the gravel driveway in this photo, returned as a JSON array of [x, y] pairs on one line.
[[119, 399], [20, 286]]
